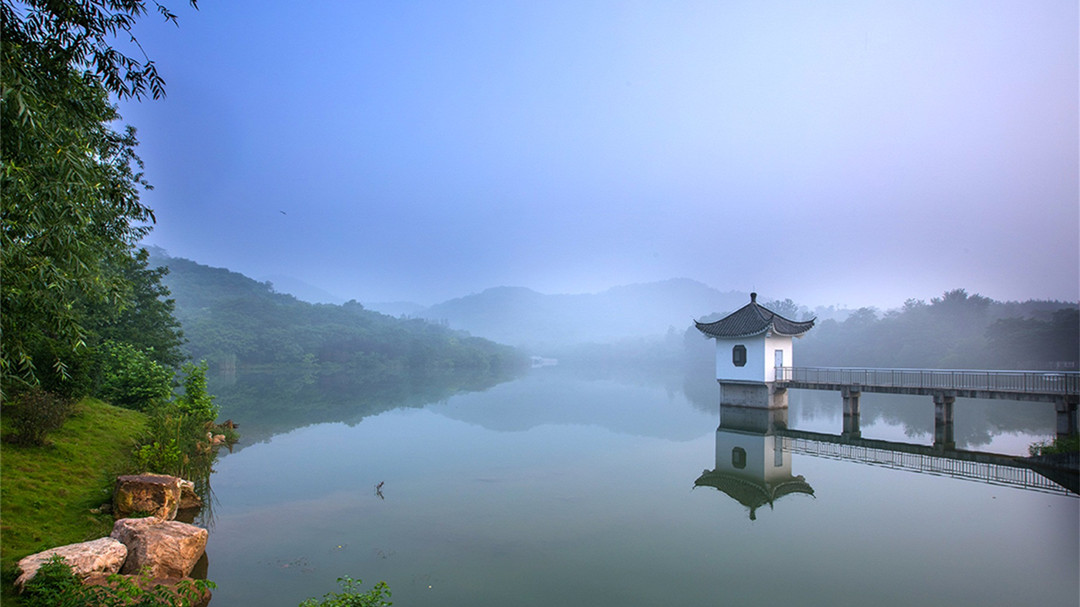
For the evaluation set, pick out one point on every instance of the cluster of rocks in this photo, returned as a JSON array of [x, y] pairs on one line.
[[155, 549]]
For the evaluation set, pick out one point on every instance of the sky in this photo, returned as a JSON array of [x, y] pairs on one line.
[[855, 153]]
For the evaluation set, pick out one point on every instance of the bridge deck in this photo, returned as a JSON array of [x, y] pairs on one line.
[[1014, 385]]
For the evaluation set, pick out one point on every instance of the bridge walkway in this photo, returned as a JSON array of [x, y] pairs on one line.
[[1045, 386], [945, 386]]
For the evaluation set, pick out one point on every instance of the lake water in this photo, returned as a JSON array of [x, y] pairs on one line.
[[560, 489]]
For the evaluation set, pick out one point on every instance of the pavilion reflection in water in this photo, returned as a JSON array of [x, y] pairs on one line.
[[754, 448], [752, 465]]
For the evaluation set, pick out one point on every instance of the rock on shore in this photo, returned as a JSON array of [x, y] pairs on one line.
[[104, 555]]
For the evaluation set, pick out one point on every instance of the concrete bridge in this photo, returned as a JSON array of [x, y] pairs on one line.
[[1043, 386], [944, 386], [754, 354]]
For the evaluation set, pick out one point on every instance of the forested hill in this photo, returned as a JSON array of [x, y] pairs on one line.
[[233, 321]]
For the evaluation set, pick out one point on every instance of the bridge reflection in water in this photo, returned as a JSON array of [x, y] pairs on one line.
[[754, 448]]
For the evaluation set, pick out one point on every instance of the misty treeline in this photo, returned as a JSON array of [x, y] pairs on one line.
[[955, 331], [232, 322]]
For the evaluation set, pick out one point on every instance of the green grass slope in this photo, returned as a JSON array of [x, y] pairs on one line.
[[47, 493]]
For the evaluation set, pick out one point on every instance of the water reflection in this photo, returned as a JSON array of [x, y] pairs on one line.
[[754, 448], [277, 400], [752, 465], [979, 424], [280, 399], [490, 495]]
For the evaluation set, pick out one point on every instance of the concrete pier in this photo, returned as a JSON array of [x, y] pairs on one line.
[[943, 421], [1066, 416], [850, 396]]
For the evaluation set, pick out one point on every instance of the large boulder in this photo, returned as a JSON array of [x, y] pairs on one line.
[[105, 555], [167, 549], [157, 495]]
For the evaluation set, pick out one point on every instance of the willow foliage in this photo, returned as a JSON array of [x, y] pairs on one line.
[[71, 212]]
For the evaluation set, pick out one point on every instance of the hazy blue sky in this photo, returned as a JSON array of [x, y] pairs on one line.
[[832, 152]]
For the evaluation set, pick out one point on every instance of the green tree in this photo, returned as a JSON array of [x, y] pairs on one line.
[[71, 213], [145, 319]]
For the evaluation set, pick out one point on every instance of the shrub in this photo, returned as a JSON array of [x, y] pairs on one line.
[[34, 414], [163, 457], [55, 585], [130, 378], [177, 443], [378, 596], [196, 401]]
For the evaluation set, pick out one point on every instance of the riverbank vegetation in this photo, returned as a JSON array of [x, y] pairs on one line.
[[353, 595], [56, 585], [52, 493], [84, 313]]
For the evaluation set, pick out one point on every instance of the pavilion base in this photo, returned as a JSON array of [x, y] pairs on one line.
[[754, 395]]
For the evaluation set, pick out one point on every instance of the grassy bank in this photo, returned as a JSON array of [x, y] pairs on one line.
[[47, 493]]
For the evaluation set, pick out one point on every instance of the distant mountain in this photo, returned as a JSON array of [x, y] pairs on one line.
[[395, 308], [521, 316], [302, 290]]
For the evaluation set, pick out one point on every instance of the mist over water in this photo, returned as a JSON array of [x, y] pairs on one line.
[[563, 488]]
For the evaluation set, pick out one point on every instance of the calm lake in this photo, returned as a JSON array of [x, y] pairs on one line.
[[562, 489]]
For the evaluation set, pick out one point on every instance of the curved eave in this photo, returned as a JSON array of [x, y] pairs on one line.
[[751, 320], [749, 493], [712, 335], [771, 327], [753, 493], [798, 328]]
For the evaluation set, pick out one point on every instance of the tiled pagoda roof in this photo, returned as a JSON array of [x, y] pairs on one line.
[[753, 493], [753, 319]]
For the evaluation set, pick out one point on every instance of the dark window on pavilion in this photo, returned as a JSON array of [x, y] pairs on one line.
[[738, 458], [738, 355]]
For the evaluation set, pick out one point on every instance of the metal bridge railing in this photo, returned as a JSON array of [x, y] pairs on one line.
[[1030, 382], [996, 474]]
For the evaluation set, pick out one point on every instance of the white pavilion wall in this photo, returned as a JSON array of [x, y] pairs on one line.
[[772, 344], [760, 358], [752, 371]]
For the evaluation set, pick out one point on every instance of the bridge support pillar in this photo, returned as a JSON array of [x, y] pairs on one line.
[[851, 412], [943, 421], [1066, 417]]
